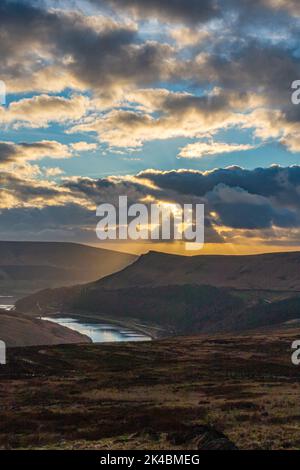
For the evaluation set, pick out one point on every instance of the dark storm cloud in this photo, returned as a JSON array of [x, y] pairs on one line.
[[24, 151], [241, 61], [25, 190], [257, 200], [41, 48], [72, 219], [69, 222], [195, 11], [95, 54], [274, 181], [178, 10], [8, 153], [253, 65], [244, 199], [48, 217], [238, 209], [181, 104], [253, 199], [108, 190]]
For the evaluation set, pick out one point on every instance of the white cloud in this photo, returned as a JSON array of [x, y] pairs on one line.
[[206, 149], [185, 36], [41, 110], [83, 146]]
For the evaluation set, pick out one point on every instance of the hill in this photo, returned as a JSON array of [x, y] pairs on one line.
[[184, 309], [275, 271], [20, 330], [29, 266], [166, 291], [177, 309]]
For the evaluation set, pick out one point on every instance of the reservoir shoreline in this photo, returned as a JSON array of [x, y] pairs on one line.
[[151, 331], [102, 330]]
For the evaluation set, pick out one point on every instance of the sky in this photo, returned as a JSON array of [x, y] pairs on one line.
[[160, 100]]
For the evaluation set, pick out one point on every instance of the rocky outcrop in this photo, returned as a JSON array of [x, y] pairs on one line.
[[201, 437]]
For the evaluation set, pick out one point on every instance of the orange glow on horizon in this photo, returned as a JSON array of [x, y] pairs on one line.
[[208, 249]]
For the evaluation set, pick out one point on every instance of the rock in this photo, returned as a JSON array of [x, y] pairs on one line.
[[201, 438]]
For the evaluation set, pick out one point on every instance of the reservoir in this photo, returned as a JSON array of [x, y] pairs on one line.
[[100, 332], [7, 302]]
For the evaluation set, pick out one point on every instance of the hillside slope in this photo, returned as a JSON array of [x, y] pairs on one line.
[[275, 271], [184, 309], [19, 330], [186, 295], [177, 309], [50, 264]]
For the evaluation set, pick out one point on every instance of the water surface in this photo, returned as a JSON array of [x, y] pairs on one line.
[[100, 332], [7, 302]]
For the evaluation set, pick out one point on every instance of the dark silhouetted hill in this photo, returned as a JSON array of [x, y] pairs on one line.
[[275, 271], [55, 263], [186, 295]]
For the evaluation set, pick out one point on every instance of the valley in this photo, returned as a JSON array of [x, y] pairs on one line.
[[185, 295]]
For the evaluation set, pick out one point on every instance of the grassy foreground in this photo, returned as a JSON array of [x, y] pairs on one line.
[[178, 393]]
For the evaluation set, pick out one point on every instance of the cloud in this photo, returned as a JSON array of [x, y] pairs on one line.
[[292, 141], [69, 222], [83, 146], [292, 7], [120, 62], [261, 204], [163, 115], [41, 110], [282, 126], [193, 11], [240, 204], [53, 172], [19, 153], [279, 184], [176, 10], [43, 48], [275, 68], [17, 191], [138, 71], [237, 208], [186, 37], [204, 149]]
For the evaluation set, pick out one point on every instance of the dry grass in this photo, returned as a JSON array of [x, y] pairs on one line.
[[135, 395]]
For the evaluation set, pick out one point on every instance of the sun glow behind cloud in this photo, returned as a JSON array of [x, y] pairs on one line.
[[101, 91]]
